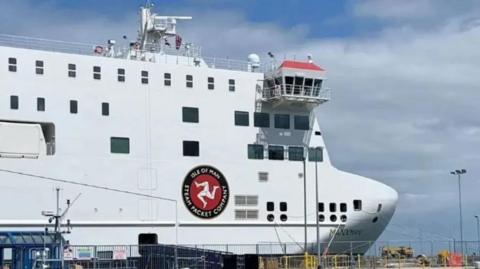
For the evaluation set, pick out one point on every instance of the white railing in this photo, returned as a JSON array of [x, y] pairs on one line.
[[297, 92], [187, 50]]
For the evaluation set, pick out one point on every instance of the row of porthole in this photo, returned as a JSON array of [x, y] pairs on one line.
[[271, 217], [333, 218]]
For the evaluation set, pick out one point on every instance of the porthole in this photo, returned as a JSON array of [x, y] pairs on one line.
[[343, 218], [375, 219], [333, 218], [283, 217], [321, 218], [270, 217]]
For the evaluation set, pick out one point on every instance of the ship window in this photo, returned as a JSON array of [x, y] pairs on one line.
[[315, 154], [263, 176], [301, 122], [270, 206], [12, 64], [317, 85], [289, 80], [308, 86], [147, 239], [270, 217], [275, 153], [13, 102], [283, 206], [295, 153], [255, 152], [343, 207], [261, 119], [211, 83], [333, 218], [189, 81], [357, 205], [246, 214], [191, 148], [379, 207], [241, 118], [105, 109], [321, 207], [97, 72], [318, 133], [144, 75], [121, 75], [282, 121], [321, 218], [40, 104], [73, 106], [283, 217], [72, 70], [231, 85], [39, 67], [246, 200], [167, 79], [120, 145], [332, 207], [343, 218], [190, 114]]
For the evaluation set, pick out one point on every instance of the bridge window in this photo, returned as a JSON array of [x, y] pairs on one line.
[[282, 121], [191, 148], [189, 79], [144, 77], [12, 64], [167, 79], [275, 153], [343, 207], [321, 207], [315, 154], [241, 118], [211, 83], [190, 114], [13, 102], [105, 109], [333, 207], [39, 67], [270, 206], [308, 86], [283, 206], [121, 75], [120, 145], [73, 107], [72, 70], [231, 85], [295, 153], [261, 119], [255, 152], [316, 87], [97, 72], [40, 104], [357, 205], [301, 122]]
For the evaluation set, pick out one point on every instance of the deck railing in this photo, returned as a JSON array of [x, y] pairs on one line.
[[297, 92]]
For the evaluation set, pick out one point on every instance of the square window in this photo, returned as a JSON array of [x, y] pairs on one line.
[[12, 68], [261, 120], [275, 153], [301, 122], [211, 83], [295, 153], [315, 154], [343, 207], [241, 118], [357, 205], [40, 104], [39, 70], [121, 71], [144, 73], [13, 102], [121, 78], [231, 85], [255, 152], [190, 114], [97, 76], [105, 109], [12, 60], [167, 79], [72, 74], [144, 80], [321, 207], [191, 148], [120, 145], [270, 206], [72, 67], [96, 69], [283, 206], [38, 63], [333, 207], [189, 81], [73, 107], [282, 121]]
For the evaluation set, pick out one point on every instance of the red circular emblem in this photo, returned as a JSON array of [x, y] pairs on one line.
[[205, 192]]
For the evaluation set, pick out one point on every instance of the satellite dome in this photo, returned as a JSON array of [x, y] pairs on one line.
[[254, 59]]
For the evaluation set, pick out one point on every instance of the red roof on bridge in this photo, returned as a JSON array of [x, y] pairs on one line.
[[301, 65]]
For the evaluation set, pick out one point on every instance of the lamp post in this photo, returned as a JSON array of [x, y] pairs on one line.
[[317, 149], [478, 236], [459, 173]]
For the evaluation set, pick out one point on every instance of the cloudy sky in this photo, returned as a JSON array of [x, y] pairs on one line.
[[405, 78]]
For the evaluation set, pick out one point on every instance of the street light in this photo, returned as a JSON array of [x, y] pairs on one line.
[[478, 235], [459, 173]]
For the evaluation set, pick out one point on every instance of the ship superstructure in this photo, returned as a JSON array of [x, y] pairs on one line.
[[225, 142]]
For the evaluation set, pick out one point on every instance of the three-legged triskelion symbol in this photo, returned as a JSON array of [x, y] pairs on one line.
[[206, 192]]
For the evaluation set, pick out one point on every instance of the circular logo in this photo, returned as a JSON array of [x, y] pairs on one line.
[[205, 192]]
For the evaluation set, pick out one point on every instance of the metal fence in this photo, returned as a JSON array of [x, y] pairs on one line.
[[386, 254]]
